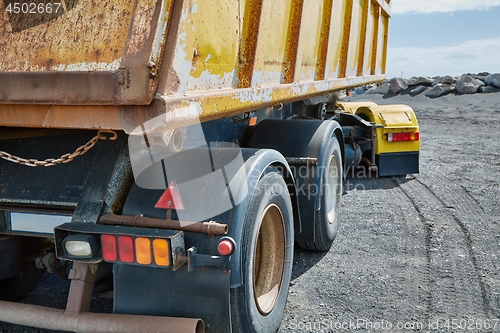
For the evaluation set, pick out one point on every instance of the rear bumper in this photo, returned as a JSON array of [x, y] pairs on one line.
[[56, 319], [76, 318]]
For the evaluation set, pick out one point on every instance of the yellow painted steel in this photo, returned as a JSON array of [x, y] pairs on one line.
[[275, 51], [390, 119], [370, 31], [187, 60], [212, 30], [352, 107], [383, 41], [309, 38], [269, 59], [354, 39], [335, 40]]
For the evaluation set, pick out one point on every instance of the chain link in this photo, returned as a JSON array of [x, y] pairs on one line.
[[66, 158]]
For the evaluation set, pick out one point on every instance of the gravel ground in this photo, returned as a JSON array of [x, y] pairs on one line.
[[417, 253]]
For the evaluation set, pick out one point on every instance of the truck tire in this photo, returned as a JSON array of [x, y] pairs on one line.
[[266, 257], [319, 189], [327, 221]]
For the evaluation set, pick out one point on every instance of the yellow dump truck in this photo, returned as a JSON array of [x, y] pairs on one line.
[[174, 151]]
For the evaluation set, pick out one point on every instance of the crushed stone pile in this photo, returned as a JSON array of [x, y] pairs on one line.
[[481, 83]]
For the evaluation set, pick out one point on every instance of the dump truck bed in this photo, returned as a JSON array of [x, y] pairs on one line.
[[114, 65]]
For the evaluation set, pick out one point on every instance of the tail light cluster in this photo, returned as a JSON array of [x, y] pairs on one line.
[[136, 246], [403, 136], [136, 250]]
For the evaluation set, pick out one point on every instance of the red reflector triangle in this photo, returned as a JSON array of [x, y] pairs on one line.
[[170, 199]]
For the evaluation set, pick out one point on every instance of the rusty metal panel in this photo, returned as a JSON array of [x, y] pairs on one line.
[[170, 112], [205, 47], [364, 40], [248, 43], [214, 35], [175, 62], [309, 39], [81, 52], [370, 26], [335, 40], [272, 43], [292, 41], [324, 39], [346, 37], [376, 25], [382, 42], [64, 40], [354, 39]]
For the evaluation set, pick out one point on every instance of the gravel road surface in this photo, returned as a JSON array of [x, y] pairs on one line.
[[413, 254]]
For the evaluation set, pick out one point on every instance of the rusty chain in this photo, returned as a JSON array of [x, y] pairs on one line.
[[66, 158]]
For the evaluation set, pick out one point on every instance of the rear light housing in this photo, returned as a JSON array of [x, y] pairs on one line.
[[93, 243], [156, 252], [403, 136]]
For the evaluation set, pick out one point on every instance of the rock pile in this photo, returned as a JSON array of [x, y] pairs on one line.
[[437, 86]]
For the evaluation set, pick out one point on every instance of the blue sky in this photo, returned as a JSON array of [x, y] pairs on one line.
[[443, 37]]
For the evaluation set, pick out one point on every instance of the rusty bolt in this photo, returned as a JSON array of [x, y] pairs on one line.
[[152, 69]]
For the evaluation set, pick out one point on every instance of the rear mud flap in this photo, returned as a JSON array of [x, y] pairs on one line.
[[397, 164], [202, 293]]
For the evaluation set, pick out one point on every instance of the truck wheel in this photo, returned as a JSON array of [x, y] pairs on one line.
[[327, 221], [266, 256]]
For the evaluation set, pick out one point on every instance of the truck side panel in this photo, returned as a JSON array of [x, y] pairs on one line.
[[59, 52], [279, 43], [186, 61]]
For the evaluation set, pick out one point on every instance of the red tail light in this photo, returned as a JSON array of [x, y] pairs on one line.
[[226, 246], [109, 249], [403, 136], [136, 250], [126, 246]]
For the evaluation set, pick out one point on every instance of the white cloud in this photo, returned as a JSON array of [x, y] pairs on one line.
[[440, 6], [469, 57]]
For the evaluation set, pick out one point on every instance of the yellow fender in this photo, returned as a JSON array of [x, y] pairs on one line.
[[397, 135], [397, 128], [352, 107]]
